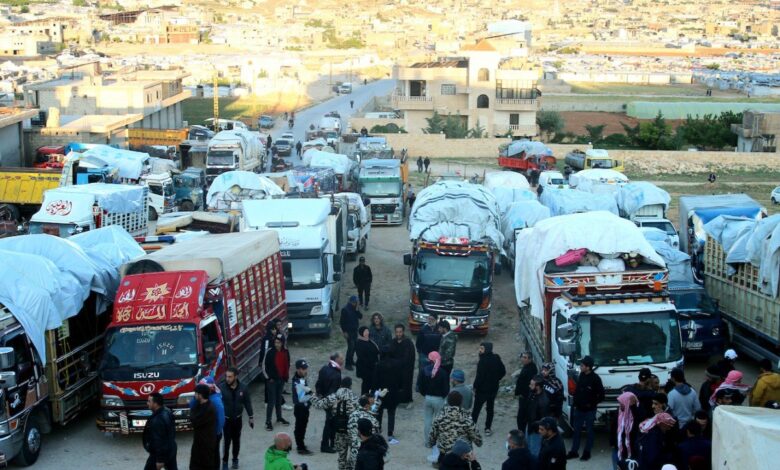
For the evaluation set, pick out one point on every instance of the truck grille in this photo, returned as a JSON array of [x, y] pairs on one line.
[[449, 307], [383, 208]]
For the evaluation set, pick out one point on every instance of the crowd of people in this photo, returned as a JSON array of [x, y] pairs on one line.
[[658, 426]]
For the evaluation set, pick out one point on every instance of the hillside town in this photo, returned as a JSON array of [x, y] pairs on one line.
[[390, 235]]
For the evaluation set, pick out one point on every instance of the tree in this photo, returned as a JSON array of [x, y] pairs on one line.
[[435, 124], [596, 133], [653, 135], [710, 131], [550, 122], [455, 127], [713, 66], [476, 132]]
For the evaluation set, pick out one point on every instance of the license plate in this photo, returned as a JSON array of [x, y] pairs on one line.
[[452, 321], [139, 423], [693, 344]]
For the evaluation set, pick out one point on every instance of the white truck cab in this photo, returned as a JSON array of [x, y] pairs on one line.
[[161, 195], [358, 224]]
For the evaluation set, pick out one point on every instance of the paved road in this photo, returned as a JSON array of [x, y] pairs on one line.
[[360, 95]]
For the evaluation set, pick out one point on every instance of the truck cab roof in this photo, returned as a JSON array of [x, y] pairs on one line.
[[164, 297], [274, 213]]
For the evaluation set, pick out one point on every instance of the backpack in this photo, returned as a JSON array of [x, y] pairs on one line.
[[341, 419]]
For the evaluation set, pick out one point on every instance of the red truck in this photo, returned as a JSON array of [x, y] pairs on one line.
[[524, 156], [188, 311]]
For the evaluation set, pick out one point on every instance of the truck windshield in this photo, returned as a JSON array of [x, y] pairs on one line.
[[601, 163], [150, 347], [628, 339], [220, 158], [303, 273], [452, 271], [693, 301], [381, 188], [665, 226]]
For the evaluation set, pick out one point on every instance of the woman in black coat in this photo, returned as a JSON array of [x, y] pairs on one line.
[[367, 353], [388, 376], [204, 432]]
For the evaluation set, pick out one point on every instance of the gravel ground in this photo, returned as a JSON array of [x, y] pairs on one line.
[[81, 445]]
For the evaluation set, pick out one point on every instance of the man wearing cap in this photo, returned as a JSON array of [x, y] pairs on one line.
[[552, 456], [236, 399], [457, 384], [588, 394], [204, 421], [349, 322], [644, 392], [553, 387], [460, 458], [362, 278], [301, 394]]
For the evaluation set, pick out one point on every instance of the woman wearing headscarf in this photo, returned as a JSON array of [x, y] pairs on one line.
[[626, 428], [653, 449], [733, 383], [434, 386]]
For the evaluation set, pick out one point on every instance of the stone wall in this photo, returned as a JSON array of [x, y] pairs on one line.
[[437, 146], [357, 123]]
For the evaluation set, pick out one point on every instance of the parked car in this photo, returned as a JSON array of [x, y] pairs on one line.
[[775, 196], [282, 147], [287, 136], [266, 122]]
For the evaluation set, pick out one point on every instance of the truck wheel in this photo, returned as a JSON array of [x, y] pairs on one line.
[[9, 212], [153, 214], [187, 206], [31, 444]]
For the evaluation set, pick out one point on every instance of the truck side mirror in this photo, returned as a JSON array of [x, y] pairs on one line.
[[7, 379], [566, 348], [565, 331], [7, 358], [407, 259]]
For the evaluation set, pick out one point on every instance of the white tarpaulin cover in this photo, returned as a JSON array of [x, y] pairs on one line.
[[745, 438], [572, 201], [340, 164], [505, 179], [230, 188], [599, 232], [677, 262], [65, 202], [522, 214], [598, 180], [455, 209], [355, 200], [706, 208], [530, 147], [129, 163], [506, 196], [45, 280], [633, 196]]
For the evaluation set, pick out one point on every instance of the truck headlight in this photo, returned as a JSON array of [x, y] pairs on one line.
[[316, 310], [111, 401], [478, 321], [420, 317], [715, 331], [184, 398]]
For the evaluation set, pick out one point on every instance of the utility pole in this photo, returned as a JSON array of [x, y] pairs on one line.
[[330, 76], [215, 85]]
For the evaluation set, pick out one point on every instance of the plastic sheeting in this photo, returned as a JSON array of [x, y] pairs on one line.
[[129, 163], [505, 179], [456, 209], [45, 280], [340, 164], [530, 147], [633, 196], [230, 188], [356, 200], [506, 196], [677, 262], [114, 198], [745, 438], [707, 208], [599, 232], [572, 201], [522, 214], [598, 180]]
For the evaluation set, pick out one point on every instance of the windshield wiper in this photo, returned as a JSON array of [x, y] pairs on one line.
[[454, 283]]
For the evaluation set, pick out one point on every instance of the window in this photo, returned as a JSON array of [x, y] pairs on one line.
[[483, 101], [514, 119], [448, 89], [483, 75], [516, 89]]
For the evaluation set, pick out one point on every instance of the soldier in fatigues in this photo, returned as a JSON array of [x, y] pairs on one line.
[[340, 404], [367, 405]]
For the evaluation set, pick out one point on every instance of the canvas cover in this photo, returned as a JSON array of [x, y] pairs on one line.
[[131, 165], [507, 196], [600, 232], [706, 208], [598, 180], [522, 214], [456, 209], [635, 195], [45, 280], [230, 188], [340, 164], [530, 147], [572, 201], [677, 262], [505, 179], [745, 438], [75, 202], [356, 200]]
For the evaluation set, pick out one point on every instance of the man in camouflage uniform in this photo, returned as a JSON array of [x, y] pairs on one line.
[[331, 403], [453, 423], [366, 405]]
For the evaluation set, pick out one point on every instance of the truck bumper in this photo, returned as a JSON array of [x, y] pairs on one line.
[[395, 218], [10, 446], [472, 324], [133, 421], [317, 325]]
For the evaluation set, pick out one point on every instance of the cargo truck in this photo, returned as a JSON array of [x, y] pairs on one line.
[[358, 224], [21, 190], [592, 159], [311, 263], [645, 204], [579, 293], [381, 182], [188, 311], [456, 240], [234, 150], [745, 282], [53, 300]]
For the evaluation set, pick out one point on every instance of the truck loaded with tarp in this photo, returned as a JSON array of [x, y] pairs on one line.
[[508, 187], [230, 189], [54, 294], [524, 156], [518, 216], [456, 238], [598, 181], [591, 285], [343, 167], [574, 201], [646, 204], [742, 270]]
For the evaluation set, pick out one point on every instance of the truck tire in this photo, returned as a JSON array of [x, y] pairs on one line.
[[153, 214], [31, 443], [187, 206], [9, 212]]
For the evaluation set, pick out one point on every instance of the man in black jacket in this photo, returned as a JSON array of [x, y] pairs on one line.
[[373, 447], [236, 399], [349, 322], [159, 436], [524, 377], [301, 394], [553, 453], [362, 278], [490, 371], [328, 381], [518, 457], [589, 393], [402, 350]]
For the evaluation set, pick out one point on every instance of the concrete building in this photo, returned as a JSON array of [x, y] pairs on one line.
[[33, 38], [483, 88], [758, 132], [11, 136]]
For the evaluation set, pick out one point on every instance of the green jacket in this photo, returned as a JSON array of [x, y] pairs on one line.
[[277, 460]]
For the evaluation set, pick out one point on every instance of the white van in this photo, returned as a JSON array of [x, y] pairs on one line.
[[345, 88], [552, 179]]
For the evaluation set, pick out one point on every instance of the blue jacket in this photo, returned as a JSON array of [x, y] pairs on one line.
[[216, 399]]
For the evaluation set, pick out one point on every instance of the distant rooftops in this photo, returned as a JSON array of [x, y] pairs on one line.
[[443, 63], [482, 46]]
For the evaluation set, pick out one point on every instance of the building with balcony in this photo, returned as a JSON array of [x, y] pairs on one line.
[[758, 132], [482, 87]]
